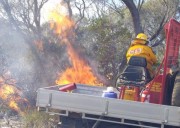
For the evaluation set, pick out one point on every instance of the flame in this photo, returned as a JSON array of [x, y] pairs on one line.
[[7, 93], [11, 96], [80, 72], [61, 23]]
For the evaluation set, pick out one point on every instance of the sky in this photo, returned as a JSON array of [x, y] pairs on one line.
[[49, 7], [52, 4]]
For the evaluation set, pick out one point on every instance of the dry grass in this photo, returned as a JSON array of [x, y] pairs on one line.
[[35, 119]]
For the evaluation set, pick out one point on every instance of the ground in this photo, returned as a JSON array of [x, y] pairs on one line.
[[11, 122]]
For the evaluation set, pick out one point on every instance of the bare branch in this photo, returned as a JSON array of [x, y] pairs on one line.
[[140, 3], [98, 10], [163, 21], [160, 28], [114, 7], [81, 10], [36, 16], [42, 4], [67, 2], [7, 8], [158, 42]]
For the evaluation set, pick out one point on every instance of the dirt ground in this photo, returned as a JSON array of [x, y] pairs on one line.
[[11, 122]]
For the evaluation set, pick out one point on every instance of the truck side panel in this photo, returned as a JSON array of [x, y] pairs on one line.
[[88, 104]]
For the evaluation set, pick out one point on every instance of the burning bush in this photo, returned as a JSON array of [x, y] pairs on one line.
[[80, 71]]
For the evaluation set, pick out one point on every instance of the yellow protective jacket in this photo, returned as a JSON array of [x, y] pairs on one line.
[[142, 51]]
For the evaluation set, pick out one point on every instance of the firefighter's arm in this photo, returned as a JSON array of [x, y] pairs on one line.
[[128, 55], [153, 57]]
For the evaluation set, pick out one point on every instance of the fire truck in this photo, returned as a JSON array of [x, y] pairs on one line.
[[136, 101]]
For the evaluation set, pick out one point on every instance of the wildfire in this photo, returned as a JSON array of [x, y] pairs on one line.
[[11, 95], [61, 24], [8, 94], [80, 72]]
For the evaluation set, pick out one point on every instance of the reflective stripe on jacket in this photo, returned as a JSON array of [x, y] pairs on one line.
[[142, 51]]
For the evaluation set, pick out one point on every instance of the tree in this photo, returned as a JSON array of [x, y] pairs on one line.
[[157, 13], [104, 25], [24, 14], [151, 21], [135, 15], [141, 11], [24, 18]]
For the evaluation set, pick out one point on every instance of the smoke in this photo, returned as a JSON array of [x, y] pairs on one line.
[[94, 65], [15, 54]]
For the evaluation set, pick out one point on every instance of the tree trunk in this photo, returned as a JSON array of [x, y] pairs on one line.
[[135, 15]]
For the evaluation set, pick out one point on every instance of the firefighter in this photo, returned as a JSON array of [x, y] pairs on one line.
[[140, 48]]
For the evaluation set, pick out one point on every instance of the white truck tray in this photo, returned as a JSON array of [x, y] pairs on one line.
[[87, 100]]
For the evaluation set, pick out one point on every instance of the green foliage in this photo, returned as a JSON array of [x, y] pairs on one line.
[[154, 11], [110, 39], [35, 119]]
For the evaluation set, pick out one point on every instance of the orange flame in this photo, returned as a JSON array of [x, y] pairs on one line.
[[61, 23], [80, 72], [11, 95], [7, 93]]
